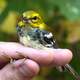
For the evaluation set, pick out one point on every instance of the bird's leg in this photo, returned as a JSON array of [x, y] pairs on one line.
[[11, 60], [22, 57]]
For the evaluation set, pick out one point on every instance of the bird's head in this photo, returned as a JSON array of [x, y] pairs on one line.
[[33, 18]]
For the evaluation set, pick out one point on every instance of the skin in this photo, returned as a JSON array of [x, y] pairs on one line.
[[28, 60]]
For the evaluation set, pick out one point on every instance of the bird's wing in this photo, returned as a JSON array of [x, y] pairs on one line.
[[47, 39]]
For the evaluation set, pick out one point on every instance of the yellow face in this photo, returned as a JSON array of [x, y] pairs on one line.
[[33, 19]]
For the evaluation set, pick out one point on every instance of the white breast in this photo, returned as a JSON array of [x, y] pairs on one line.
[[26, 41]]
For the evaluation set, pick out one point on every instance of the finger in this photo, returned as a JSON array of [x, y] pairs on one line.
[[20, 70], [8, 51], [48, 57]]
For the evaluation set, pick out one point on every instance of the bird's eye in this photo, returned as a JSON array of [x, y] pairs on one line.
[[34, 18]]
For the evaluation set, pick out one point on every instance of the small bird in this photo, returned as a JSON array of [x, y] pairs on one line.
[[34, 33]]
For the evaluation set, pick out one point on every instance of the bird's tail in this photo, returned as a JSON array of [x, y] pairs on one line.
[[70, 70]]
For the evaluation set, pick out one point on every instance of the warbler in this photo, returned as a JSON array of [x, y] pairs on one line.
[[34, 33]]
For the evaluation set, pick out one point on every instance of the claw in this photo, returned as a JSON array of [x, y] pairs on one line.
[[20, 54], [9, 57]]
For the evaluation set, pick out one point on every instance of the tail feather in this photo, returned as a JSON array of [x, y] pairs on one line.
[[72, 71]]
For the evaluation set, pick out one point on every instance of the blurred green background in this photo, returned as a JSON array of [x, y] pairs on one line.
[[62, 16]]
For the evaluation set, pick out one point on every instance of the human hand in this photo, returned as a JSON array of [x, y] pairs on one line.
[[26, 69]]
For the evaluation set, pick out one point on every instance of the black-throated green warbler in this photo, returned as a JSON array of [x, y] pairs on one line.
[[33, 33]]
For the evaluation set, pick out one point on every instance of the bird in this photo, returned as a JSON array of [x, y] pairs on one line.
[[34, 33]]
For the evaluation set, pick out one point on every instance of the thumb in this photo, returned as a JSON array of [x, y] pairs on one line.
[[19, 70]]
